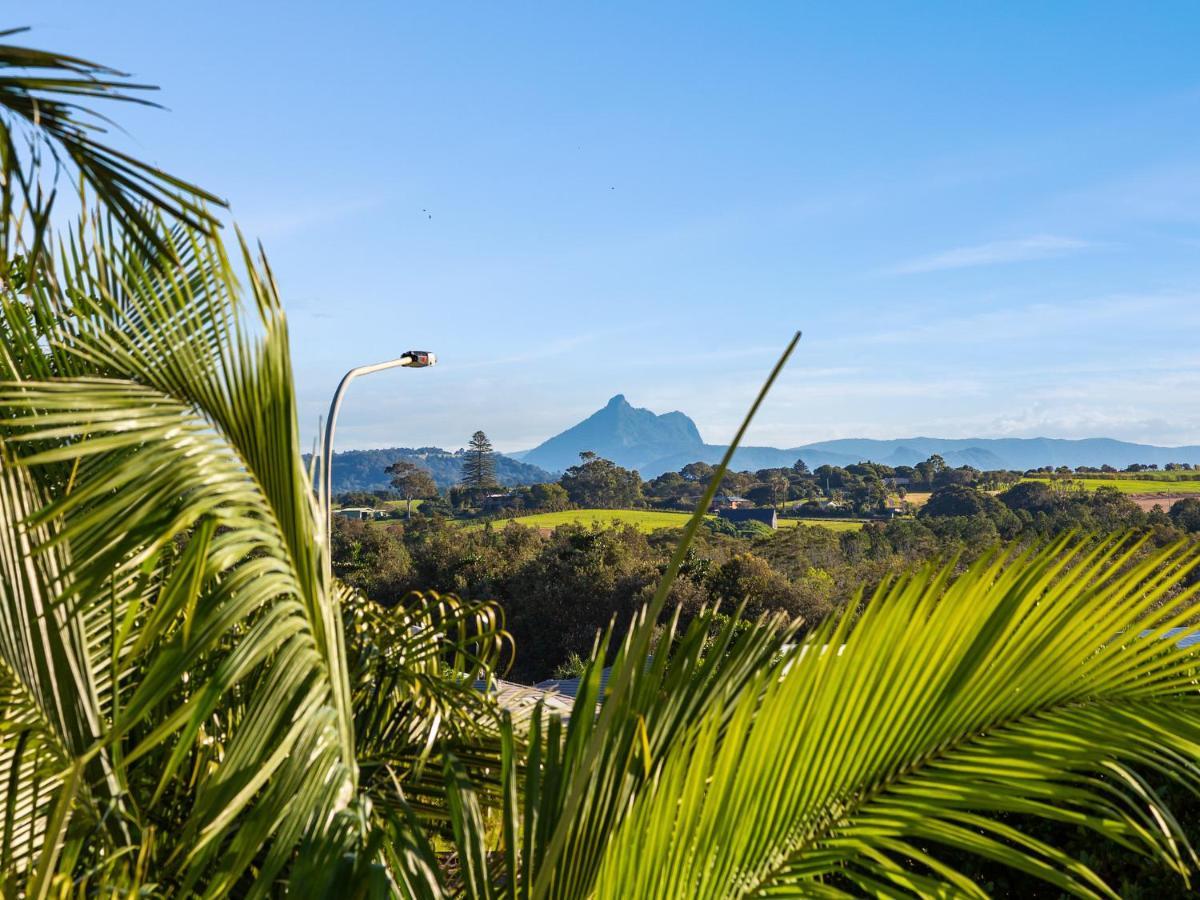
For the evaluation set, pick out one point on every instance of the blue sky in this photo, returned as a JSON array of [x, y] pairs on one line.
[[985, 220]]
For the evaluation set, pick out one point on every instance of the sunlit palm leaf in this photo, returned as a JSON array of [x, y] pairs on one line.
[[193, 433], [1026, 686], [52, 717], [46, 111]]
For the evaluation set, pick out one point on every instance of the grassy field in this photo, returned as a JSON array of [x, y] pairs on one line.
[[831, 524], [645, 519], [1128, 485]]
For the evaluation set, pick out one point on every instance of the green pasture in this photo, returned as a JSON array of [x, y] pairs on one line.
[[1125, 485]]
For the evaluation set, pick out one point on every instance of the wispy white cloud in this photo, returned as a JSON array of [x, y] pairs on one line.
[[1036, 321], [1041, 246], [281, 222], [536, 351]]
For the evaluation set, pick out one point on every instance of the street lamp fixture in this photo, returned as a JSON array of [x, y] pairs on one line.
[[413, 359]]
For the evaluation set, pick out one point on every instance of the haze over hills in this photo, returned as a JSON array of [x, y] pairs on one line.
[[653, 444]]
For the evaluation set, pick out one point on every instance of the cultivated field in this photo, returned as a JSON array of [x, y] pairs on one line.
[[831, 524], [645, 519], [1165, 486]]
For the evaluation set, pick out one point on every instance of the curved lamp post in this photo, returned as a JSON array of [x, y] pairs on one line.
[[413, 359]]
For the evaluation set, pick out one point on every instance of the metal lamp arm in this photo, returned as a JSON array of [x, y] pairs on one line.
[[411, 359]]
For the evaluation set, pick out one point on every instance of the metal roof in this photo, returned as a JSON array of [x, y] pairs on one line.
[[1189, 639], [520, 699], [569, 687]]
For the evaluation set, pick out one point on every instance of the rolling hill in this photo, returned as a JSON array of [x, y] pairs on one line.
[[362, 470]]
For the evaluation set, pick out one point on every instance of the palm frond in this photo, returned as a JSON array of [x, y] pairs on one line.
[[590, 782], [48, 116], [52, 722], [1033, 684], [191, 435]]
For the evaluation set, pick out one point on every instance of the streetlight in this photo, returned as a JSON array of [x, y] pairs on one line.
[[413, 359]]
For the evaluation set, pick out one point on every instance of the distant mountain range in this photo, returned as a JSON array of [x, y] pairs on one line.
[[653, 444], [362, 470]]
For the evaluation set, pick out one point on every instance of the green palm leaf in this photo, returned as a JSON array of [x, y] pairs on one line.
[[52, 716], [192, 434], [1025, 686], [46, 117]]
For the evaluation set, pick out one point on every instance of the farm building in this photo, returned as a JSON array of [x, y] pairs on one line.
[[766, 516], [361, 512]]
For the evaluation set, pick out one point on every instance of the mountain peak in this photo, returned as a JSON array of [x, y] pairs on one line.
[[628, 435]]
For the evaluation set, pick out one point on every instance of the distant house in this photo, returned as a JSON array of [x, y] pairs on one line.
[[361, 513], [729, 501], [895, 481], [766, 516]]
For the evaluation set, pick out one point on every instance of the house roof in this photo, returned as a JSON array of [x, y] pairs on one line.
[[766, 516], [569, 687], [521, 699], [1188, 640]]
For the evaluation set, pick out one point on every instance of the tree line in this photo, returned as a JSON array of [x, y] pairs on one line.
[[864, 490]]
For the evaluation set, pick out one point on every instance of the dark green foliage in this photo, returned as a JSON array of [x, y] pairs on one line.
[[1030, 496], [437, 505], [1186, 514], [958, 503], [748, 529], [479, 463], [372, 558], [411, 482], [548, 497], [1133, 875], [597, 483], [557, 589], [955, 501], [369, 499], [750, 579]]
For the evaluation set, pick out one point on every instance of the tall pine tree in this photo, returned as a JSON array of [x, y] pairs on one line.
[[479, 466]]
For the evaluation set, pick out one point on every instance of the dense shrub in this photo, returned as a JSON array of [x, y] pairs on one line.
[[559, 588], [1185, 514]]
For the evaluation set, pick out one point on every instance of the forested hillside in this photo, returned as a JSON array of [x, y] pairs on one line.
[[363, 470]]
